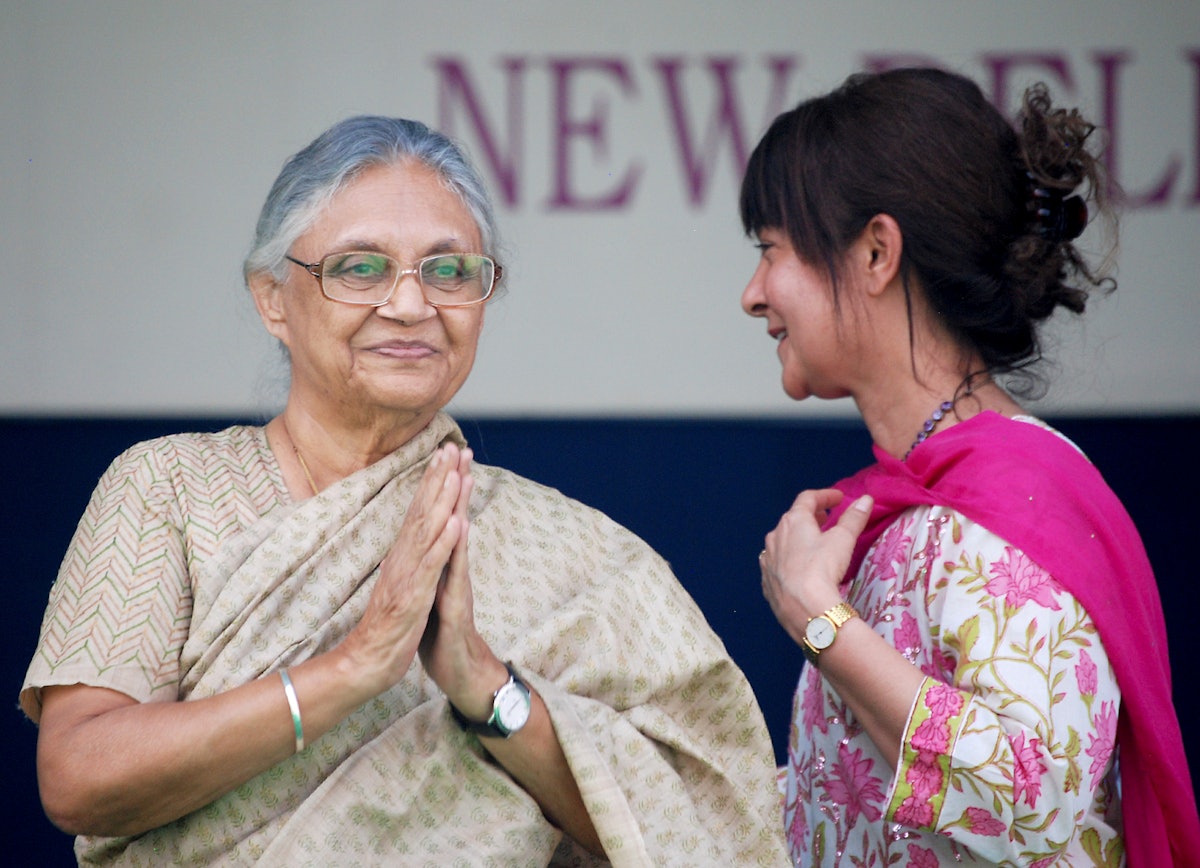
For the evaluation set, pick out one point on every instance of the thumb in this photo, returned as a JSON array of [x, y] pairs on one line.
[[855, 518]]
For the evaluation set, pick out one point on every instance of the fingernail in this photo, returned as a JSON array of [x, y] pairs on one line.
[[863, 504]]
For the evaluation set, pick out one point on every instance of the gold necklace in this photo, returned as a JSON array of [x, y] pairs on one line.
[[299, 457]]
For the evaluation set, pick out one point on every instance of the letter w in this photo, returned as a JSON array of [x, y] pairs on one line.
[[698, 160]]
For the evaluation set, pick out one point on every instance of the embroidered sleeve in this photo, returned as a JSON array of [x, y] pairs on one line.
[[1009, 742], [118, 612]]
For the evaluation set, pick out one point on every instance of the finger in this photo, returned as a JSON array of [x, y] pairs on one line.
[[431, 488], [465, 457], [435, 499], [817, 501], [456, 580], [454, 599], [855, 518], [765, 563], [466, 484], [463, 520], [427, 537]]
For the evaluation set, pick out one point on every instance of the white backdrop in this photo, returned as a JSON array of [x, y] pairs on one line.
[[139, 140]]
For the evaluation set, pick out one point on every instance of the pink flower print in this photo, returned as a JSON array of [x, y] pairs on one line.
[[812, 705], [919, 857], [1085, 674], [1028, 769], [1102, 741], [924, 776], [890, 549], [915, 812], [852, 785], [798, 831], [942, 667], [1019, 580], [907, 637], [931, 735], [943, 701], [981, 822]]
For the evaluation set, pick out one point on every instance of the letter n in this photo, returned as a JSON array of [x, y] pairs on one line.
[[455, 90]]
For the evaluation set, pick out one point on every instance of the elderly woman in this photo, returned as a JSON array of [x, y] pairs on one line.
[[336, 640]]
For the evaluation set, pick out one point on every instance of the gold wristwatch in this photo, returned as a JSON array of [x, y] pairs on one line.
[[820, 631]]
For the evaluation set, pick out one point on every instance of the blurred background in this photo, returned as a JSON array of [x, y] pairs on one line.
[[139, 140]]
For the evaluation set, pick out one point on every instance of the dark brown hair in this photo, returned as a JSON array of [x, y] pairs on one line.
[[965, 186]]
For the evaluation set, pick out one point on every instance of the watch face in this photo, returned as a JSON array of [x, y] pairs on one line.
[[512, 707], [820, 632]]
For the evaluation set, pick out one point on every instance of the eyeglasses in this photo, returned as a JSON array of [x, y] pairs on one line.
[[364, 277]]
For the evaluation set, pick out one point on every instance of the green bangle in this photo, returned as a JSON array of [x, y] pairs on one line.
[[293, 704]]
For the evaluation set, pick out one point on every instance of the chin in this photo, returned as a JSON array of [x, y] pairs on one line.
[[796, 391], [799, 391]]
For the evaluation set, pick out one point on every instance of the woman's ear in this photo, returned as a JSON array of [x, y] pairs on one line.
[[268, 299], [881, 247]]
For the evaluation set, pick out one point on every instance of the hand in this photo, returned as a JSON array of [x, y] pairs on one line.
[[454, 654], [803, 566], [382, 646]]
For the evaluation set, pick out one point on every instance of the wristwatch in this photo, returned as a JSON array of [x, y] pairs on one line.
[[510, 709], [820, 631]]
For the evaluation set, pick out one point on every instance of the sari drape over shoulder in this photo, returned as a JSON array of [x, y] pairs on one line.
[[658, 725], [1034, 489]]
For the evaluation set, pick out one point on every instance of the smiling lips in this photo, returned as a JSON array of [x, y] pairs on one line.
[[403, 349]]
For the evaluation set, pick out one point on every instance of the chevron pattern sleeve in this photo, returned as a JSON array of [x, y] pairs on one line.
[[119, 612]]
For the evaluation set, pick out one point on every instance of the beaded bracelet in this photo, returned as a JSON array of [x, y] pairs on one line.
[[293, 704]]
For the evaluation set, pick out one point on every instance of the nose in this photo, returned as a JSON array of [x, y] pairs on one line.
[[754, 299], [407, 303]]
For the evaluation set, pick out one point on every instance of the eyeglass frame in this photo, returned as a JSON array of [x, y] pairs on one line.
[[316, 269]]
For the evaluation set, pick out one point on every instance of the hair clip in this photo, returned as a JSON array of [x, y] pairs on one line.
[[1055, 218]]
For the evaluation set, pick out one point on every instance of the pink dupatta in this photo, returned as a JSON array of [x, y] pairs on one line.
[[1037, 492]]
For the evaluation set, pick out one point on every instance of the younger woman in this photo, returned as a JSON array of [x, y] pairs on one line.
[[990, 680]]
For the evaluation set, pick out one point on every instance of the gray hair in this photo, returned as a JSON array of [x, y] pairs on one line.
[[311, 178]]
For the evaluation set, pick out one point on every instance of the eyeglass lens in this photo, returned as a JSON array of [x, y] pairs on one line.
[[369, 278]]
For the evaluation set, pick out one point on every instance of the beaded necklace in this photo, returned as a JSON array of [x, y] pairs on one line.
[[939, 414], [930, 424]]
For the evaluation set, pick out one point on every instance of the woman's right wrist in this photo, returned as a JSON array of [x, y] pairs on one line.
[[357, 676], [327, 688]]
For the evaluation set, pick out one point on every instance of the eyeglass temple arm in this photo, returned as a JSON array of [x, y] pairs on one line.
[[313, 268]]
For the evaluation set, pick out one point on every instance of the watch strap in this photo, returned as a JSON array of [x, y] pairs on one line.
[[841, 613], [490, 727], [837, 616]]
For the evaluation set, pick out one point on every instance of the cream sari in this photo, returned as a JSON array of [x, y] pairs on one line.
[[658, 725]]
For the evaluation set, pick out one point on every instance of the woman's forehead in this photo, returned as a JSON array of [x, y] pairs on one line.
[[397, 204]]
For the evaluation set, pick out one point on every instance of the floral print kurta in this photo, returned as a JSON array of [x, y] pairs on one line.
[[1008, 754]]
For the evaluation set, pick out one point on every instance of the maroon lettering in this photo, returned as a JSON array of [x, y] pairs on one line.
[[698, 158], [1193, 56], [1158, 195], [454, 88], [593, 128], [1001, 67], [706, 131], [884, 62]]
